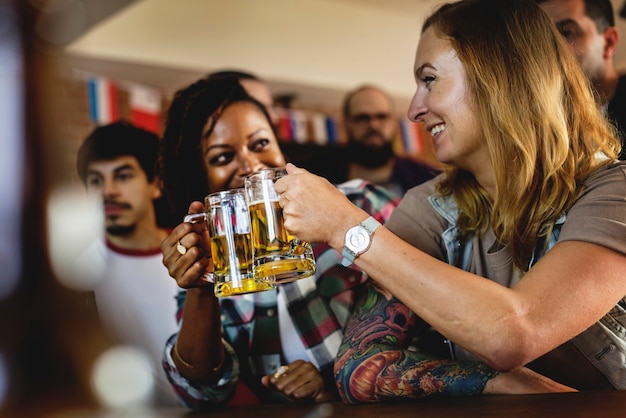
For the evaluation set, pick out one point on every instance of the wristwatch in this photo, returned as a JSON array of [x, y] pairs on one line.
[[358, 240]]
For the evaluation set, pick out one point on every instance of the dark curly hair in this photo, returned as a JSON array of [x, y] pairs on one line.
[[180, 163]]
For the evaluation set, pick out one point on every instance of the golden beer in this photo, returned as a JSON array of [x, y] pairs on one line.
[[268, 232], [232, 265], [274, 257], [284, 270], [226, 289], [221, 253]]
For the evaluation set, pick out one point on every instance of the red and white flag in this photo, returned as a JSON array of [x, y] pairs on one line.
[[145, 107]]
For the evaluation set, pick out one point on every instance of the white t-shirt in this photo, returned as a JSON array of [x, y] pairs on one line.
[[136, 301]]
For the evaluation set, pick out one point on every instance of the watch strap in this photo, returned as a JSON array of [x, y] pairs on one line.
[[348, 257], [370, 224]]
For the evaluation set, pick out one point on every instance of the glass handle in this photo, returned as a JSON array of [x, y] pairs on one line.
[[208, 277], [297, 247], [195, 217]]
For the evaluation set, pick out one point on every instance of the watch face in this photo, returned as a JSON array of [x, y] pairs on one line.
[[357, 239]]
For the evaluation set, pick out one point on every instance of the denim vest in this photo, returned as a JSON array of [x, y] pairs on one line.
[[603, 343]]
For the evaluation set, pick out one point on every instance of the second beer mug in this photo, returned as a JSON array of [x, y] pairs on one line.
[[229, 230], [277, 256]]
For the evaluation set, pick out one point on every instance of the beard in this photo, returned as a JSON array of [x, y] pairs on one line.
[[113, 227], [370, 156], [120, 230]]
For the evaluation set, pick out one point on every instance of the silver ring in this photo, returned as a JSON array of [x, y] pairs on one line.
[[181, 248]]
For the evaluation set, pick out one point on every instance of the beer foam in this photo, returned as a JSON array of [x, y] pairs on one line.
[[256, 202]]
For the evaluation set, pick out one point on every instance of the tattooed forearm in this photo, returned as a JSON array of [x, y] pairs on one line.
[[374, 363]]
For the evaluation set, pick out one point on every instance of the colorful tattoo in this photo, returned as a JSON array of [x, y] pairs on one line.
[[375, 363]]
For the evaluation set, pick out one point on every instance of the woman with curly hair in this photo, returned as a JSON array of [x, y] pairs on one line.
[[236, 349]]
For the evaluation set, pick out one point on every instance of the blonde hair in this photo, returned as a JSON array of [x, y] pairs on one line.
[[542, 127]]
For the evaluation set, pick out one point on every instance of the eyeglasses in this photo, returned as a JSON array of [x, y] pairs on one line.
[[367, 118]]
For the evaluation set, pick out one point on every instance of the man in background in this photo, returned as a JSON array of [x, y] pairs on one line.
[[588, 26], [134, 294], [254, 86], [370, 128]]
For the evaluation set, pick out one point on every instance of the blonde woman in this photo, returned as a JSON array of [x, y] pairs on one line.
[[516, 254]]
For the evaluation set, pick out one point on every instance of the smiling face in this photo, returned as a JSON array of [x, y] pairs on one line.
[[242, 142], [444, 103]]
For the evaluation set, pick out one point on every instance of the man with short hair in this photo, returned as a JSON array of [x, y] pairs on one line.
[[254, 86], [588, 26], [371, 127], [134, 293]]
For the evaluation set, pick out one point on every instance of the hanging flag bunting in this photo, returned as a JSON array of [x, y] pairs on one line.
[[145, 107], [285, 129], [411, 137], [331, 130], [299, 126], [422, 136], [318, 124], [103, 100], [408, 135]]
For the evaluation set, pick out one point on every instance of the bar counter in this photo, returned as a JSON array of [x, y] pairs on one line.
[[570, 405]]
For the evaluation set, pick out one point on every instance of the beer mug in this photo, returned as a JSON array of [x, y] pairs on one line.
[[228, 223], [277, 257]]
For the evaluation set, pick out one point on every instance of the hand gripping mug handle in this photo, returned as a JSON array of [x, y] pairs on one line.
[[193, 219]]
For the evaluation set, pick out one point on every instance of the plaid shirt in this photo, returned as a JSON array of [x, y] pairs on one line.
[[319, 307]]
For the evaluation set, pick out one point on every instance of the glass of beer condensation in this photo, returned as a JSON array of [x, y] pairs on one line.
[[228, 223], [277, 256]]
